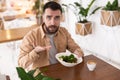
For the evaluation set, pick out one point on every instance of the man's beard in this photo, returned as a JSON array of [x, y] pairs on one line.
[[52, 29]]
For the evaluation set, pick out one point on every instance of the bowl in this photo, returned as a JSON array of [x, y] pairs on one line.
[[67, 64]]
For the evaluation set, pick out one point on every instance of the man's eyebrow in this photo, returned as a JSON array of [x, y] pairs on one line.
[[57, 16], [49, 16]]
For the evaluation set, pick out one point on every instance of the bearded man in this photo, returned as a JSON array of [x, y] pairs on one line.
[[40, 45]]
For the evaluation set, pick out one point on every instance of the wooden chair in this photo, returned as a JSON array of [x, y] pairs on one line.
[[1, 24]]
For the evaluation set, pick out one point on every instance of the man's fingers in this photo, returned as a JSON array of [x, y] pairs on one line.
[[40, 49], [47, 47]]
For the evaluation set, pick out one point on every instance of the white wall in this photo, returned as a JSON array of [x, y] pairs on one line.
[[104, 40]]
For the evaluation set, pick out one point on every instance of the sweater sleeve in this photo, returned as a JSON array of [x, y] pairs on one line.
[[27, 54], [71, 44]]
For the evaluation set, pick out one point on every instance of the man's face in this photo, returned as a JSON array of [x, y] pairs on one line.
[[52, 20]]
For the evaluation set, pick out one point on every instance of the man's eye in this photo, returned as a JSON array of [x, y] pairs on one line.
[[57, 18], [48, 17]]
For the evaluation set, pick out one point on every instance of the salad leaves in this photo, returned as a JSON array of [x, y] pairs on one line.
[[70, 59]]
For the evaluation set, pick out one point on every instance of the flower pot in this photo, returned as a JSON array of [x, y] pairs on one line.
[[83, 28], [39, 19], [110, 18]]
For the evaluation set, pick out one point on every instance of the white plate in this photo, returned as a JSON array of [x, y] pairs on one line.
[[79, 59]]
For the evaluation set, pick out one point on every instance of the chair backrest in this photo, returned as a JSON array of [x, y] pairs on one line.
[[1, 24]]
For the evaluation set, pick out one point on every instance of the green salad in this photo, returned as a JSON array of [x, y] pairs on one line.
[[70, 59]]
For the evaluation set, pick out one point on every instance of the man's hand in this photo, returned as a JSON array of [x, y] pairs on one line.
[[40, 49], [79, 53]]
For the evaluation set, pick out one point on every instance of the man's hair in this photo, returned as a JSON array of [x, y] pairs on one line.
[[52, 5]]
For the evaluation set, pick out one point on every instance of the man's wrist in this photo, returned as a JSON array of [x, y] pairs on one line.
[[79, 52]]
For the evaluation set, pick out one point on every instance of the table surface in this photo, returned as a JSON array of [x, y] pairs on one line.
[[14, 34], [103, 71], [12, 17]]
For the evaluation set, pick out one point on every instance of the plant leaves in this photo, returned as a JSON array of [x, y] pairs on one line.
[[23, 75], [39, 76], [31, 72], [95, 10], [80, 12], [112, 6], [48, 78]]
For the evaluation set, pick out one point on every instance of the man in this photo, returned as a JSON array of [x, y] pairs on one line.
[[40, 45]]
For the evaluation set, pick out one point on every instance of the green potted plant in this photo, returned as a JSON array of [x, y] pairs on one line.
[[23, 75], [37, 9], [83, 26], [110, 14]]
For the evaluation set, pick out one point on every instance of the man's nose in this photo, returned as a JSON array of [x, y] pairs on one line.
[[53, 22]]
